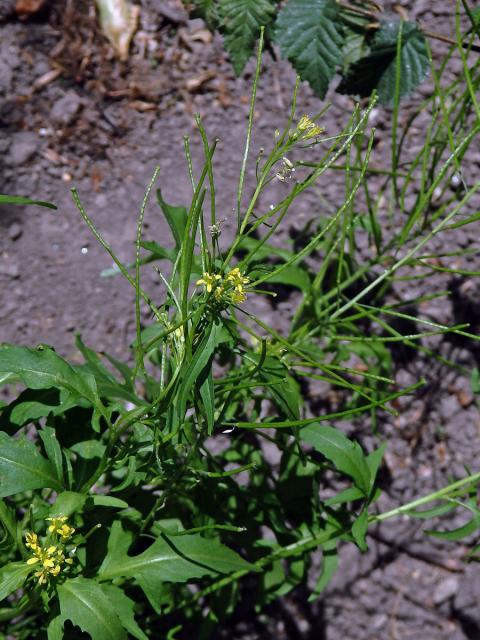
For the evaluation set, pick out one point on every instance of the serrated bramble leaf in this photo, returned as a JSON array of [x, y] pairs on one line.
[[309, 33], [83, 602], [23, 468], [346, 455], [378, 70], [241, 22]]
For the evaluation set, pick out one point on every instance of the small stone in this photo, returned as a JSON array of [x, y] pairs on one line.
[[23, 148], [15, 231], [445, 590], [65, 109], [10, 270]]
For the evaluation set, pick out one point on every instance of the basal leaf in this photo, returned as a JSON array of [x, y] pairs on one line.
[[241, 22], [12, 577], [125, 610], [309, 33], [178, 559], [378, 69], [22, 467], [346, 455], [42, 368], [84, 603]]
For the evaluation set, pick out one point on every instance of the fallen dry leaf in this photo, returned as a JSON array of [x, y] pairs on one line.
[[25, 8]]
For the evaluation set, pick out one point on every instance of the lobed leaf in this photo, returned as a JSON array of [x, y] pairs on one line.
[[85, 604], [23, 468]]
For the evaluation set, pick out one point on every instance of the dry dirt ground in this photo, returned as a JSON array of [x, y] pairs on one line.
[[70, 114]]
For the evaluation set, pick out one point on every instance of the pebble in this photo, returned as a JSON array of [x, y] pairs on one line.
[[65, 110], [445, 590], [24, 147], [15, 231], [10, 270]]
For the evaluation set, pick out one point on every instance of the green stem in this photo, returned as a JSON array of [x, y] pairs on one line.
[[431, 497]]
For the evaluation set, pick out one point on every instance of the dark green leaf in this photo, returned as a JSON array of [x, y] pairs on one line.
[[329, 567], [241, 22], [4, 199], [12, 577], [378, 69], [23, 468], [346, 455], [176, 218], [359, 530], [464, 531], [52, 449], [84, 603], [198, 368], [42, 368], [170, 560], [309, 33], [125, 610]]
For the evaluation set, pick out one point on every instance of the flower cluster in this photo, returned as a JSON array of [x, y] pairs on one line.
[[306, 128], [50, 556], [227, 290]]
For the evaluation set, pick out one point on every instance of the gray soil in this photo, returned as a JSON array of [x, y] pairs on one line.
[[71, 115]]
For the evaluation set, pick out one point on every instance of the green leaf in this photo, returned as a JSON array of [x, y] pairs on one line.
[[329, 567], [464, 531], [346, 455], [52, 449], [22, 467], [347, 495], [374, 460], [67, 503], [84, 603], [4, 199], [169, 560], [294, 277], [108, 386], [124, 607], [12, 577], [241, 24], [359, 530], [42, 368], [176, 218], [378, 69], [198, 367], [309, 33]]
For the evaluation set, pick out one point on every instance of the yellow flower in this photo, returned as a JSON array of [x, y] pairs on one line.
[[238, 296], [31, 541], [308, 128], [209, 280], [51, 558], [237, 279], [60, 527]]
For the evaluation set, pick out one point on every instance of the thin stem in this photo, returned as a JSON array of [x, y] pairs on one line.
[[249, 128]]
